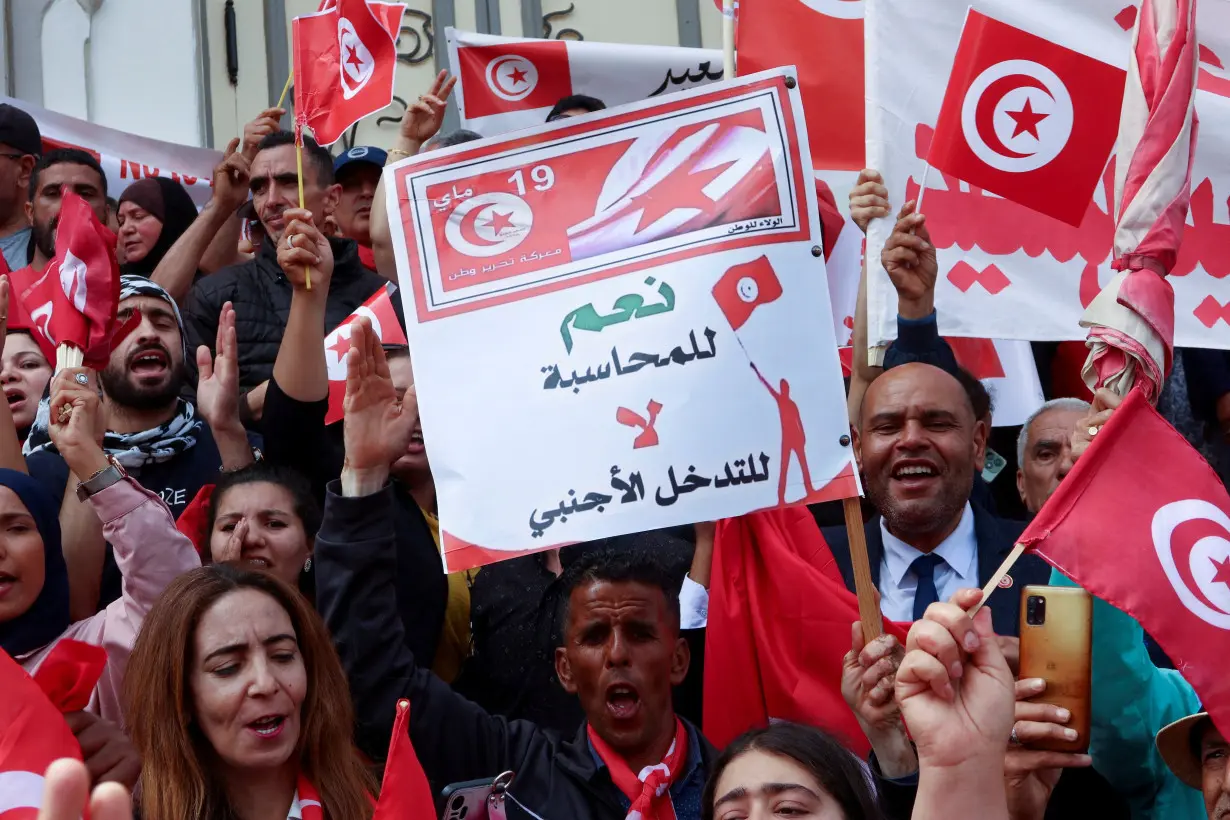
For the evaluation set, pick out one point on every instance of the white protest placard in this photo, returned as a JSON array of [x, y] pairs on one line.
[[619, 323], [1006, 271]]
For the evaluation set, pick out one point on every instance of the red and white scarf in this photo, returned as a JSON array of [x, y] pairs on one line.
[[307, 801], [650, 790]]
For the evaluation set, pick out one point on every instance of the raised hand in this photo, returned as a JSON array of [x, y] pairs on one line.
[[110, 757], [77, 422], [868, 675], [66, 793], [909, 258], [423, 119], [217, 392], [303, 246], [1104, 404], [1030, 775], [868, 199], [265, 124], [954, 686], [377, 425], [230, 180]]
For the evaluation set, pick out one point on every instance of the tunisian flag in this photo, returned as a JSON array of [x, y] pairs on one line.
[[380, 312], [824, 38], [344, 61], [505, 78], [1143, 522], [1027, 119], [75, 300], [746, 287], [404, 792], [779, 629]]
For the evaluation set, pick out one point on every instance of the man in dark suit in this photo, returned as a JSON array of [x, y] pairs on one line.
[[917, 442]]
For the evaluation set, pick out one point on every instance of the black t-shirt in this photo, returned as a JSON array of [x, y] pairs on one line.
[[176, 480]]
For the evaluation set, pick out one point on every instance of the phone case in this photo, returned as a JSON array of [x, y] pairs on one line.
[[1060, 651]]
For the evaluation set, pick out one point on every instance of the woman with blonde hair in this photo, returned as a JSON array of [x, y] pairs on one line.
[[239, 706]]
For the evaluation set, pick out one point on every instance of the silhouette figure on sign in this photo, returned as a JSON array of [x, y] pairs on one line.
[[649, 436], [794, 440]]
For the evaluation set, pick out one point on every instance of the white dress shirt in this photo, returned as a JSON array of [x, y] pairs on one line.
[[958, 569]]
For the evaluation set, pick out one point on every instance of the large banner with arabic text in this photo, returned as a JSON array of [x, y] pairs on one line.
[[1007, 271], [613, 322]]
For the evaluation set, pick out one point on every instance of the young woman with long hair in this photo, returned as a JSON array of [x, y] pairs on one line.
[[239, 706]]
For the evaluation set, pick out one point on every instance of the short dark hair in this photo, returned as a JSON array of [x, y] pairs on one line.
[[584, 101], [979, 397], [313, 154], [461, 135], [836, 770], [263, 472], [61, 156], [619, 565]]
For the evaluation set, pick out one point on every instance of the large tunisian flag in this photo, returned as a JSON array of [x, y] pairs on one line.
[[779, 628], [345, 56], [1027, 119], [1143, 522]]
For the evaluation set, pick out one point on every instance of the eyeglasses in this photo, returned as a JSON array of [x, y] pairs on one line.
[[14, 156]]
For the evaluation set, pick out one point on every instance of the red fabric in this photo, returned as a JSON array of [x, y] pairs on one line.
[[745, 287], [75, 299], [194, 520], [405, 793], [513, 77], [69, 674], [831, 219], [1061, 187], [309, 800], [779, 628], [824, 39], [344, 60], [1066, 379], [1143, 522], [379, 310], [367, 257], [19, 316], [32, 735], [650, 796]]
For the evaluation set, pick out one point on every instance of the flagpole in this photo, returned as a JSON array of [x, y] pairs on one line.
[[728, 39], [864, 587], [289, 79], [1016, 553], [922, 187], [307, 271]]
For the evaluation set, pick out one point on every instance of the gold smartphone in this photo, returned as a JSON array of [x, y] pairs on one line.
[[1057, 646]]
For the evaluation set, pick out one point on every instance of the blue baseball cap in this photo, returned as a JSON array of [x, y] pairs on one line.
[[361, 153]]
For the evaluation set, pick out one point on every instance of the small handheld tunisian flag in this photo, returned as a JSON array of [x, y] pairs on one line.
[[33, 734], [344, 60], [1143, 523], [744, 288], [380, 312], [512, 77], [779, 629], [1027, 119], [404, 793], [75, 300]]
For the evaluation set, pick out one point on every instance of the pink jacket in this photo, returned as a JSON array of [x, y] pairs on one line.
[[150, 553]]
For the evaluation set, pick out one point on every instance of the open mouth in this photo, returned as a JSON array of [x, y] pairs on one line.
[[151, 362], [16, 398], [6, 582], [914, 471], [622, 701], [257, 562], [268, 726], [416, 445]]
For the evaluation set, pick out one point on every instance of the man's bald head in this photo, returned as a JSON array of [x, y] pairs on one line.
[[918, 444]]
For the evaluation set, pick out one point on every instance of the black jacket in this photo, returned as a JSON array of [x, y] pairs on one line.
[[995, 536], [261, 293], [456, 740]]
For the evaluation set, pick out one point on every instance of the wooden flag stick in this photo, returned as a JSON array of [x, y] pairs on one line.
[[307, 272], [864, 587], [728, 39], [289, 79], [1017, 550]]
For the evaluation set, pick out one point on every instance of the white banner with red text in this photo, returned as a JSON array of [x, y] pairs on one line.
[[125, 157], [612, 322], [1007, 271]]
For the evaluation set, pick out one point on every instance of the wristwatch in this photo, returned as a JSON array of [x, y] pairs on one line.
[[113, 473]]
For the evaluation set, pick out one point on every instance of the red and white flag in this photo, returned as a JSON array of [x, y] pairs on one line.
[[75, 300], [344, 60], [379, 311], [1143, 522], [1027, 119], [503, 79], [404, 791], [744, 288]]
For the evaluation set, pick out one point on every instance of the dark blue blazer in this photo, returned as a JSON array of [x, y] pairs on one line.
[[995, 537]]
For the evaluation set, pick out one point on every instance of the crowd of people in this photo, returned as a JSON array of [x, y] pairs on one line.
[[268, 590]]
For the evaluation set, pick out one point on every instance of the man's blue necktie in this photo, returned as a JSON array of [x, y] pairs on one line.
[[926, 594]]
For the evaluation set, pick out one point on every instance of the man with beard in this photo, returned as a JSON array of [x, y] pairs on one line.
[[55, 171], [917, 441], [260, 289], [152, 433], [20, 147]]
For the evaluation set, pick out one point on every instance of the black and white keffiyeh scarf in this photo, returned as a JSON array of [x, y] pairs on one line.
[[133, 450]]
